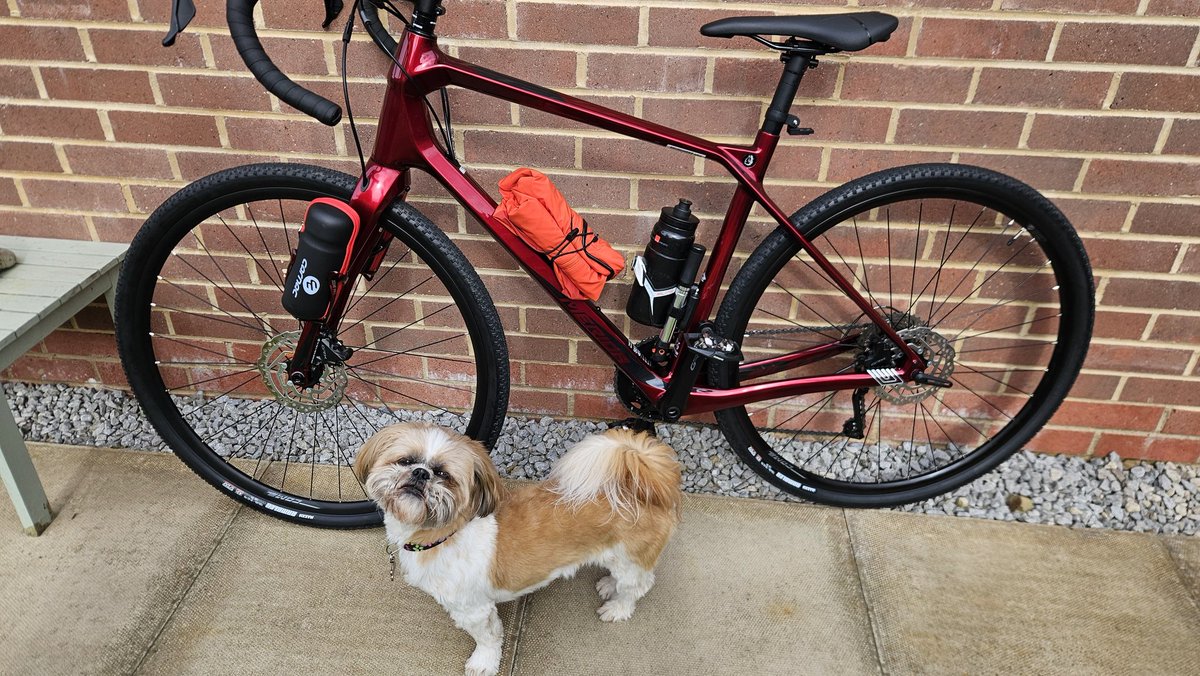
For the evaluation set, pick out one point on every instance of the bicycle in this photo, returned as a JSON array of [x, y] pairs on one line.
[[938, 348]]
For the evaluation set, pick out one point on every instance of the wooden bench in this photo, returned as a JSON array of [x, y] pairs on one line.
[[53, 280]]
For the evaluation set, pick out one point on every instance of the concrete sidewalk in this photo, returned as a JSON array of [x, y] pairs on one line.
[[147, 569]]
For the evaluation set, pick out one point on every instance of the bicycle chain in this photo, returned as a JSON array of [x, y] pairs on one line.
[[808, 329]]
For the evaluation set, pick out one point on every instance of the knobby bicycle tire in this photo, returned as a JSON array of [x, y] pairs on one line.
[[447, 300], [1046, 316]]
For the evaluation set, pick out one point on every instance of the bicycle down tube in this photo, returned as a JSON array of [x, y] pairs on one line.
[[406, 140]]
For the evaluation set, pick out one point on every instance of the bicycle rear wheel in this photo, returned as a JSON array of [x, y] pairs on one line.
[[974, 269], [204, 340]]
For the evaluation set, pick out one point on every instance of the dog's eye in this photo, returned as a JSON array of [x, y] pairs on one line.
[[405, 461], [441, 473]]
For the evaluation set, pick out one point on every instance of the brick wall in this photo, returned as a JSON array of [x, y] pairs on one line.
[[1096, 103]]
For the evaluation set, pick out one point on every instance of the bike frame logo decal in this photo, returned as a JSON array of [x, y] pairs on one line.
[[887, 376], [300, 278], [311, 285]]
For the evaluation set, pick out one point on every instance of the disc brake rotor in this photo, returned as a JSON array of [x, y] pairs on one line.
[[936, 351], [273, 365]]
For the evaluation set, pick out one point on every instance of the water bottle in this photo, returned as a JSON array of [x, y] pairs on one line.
[[656, 271], [322, 256]]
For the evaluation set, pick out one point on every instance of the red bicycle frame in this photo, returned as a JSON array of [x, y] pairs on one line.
[[406, 141]]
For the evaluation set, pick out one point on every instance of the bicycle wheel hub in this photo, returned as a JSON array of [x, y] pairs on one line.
[[938, 354], [325, 393]]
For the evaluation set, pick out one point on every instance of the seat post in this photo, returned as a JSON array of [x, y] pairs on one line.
[[794, 65]]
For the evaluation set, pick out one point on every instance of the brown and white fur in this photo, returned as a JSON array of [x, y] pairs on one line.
[[612, 500]]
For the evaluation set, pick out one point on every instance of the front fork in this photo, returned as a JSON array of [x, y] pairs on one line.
[[318, 343]]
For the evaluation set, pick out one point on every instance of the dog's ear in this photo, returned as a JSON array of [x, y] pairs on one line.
[[369, 453], [488, 489]]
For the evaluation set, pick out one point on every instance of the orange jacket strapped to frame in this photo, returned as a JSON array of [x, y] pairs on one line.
[[536, 212]]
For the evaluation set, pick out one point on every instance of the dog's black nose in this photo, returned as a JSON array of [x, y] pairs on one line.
[[420, 474]]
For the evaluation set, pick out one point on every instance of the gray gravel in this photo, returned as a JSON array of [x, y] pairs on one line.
[[1105, 492]]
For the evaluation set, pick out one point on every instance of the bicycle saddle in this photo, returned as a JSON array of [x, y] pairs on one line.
[[846, 32]]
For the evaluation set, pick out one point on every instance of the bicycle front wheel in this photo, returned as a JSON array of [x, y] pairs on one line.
[[205, 340], [977, 271]]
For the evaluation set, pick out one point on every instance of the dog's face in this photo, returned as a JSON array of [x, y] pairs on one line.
[[428, 476]]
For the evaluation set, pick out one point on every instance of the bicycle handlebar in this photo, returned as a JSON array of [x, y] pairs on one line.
[[239, 16]]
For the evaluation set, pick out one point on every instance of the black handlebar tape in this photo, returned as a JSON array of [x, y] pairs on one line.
[[239, 16], [369, 13]]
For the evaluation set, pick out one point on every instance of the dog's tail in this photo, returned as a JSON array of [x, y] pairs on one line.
[[629, 469]]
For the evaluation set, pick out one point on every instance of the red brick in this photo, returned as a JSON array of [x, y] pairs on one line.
[[8, 194], [32, 367], [470, 107], [221, 92], [291, 135], [40, 43], [297, 16], [1171, 8], [1152, 293], [606, 154], [759, 77], [974, 129], [705, 117], [194, 164], [164, 128], [1125, 43], [20, 156], [144, 48], [1095, 133], [577, 24], [1125, 325], [1190, 265], [1043, 173], [573, 377], [521, 400], [891, 82], [1158, 91], [1094, 386], [69, 194], [1108, 415], [939, 4], [86, 84], [1122, 254], [708, 196], [599, 407], [1184, 138], [1178, 329], [646, 72], [985, 39], [850, 163], [118, 162], [1042, 88], [1182, 422], [801, 162], [117, 228], [80, 123], [294, 56], [1146, 359], [1160, 218], [17, 82], [843, 123], [25, 223], [1069, 7], [1071, 442], [474, 19], [548, 68], [80, 343], [511, 149], [1142, 178], [1094, 215], [679, 26], [1149, 447]]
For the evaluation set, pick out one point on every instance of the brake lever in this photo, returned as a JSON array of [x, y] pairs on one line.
[[182, 13], [332, 9]]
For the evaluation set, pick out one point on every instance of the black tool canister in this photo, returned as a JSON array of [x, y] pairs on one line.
[[322, 254], [656, 271]]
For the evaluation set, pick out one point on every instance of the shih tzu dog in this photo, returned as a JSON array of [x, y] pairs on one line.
[[613, 500]]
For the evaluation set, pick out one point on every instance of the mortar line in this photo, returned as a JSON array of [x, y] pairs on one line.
[[862, 591], [188, 590]]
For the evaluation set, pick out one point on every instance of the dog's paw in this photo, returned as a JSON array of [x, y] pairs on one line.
[[606, 587], [485, 665], [615, 611]]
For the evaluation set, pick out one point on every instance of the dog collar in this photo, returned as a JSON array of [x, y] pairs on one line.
[[420, 547]]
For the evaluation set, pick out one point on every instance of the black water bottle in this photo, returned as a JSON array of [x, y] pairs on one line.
[[321, 256], [656, 271]]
